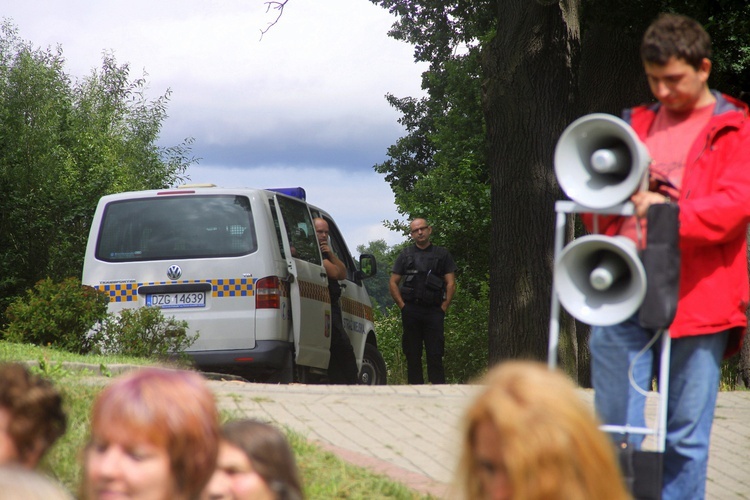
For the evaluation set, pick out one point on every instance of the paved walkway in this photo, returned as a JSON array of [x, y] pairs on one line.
[[410, 433]]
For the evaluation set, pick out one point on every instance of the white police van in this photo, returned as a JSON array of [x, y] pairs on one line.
[[243, 267]]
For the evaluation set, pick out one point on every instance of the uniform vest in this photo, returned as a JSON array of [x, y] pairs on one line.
[[424, 275]]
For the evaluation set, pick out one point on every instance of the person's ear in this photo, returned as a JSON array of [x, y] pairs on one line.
[[704, 70]]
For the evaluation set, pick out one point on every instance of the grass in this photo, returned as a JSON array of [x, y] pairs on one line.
[[325, 476]]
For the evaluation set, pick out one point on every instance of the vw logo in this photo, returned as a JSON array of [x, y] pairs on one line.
[[174, 272]]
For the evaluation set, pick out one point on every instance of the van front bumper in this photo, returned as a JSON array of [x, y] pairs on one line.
[[267, 356]]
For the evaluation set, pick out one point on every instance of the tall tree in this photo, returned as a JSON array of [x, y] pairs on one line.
[[530, 96], [63, 145]]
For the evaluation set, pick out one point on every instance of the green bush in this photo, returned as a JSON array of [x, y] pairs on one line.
[[56, 314], [143, 332], [466, 326], [388, 329]]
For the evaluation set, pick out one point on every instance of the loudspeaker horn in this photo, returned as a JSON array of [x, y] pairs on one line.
[[600, 280], [599, 161]]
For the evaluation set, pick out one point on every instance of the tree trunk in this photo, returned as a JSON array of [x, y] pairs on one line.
[[529, 98], [610, 78]]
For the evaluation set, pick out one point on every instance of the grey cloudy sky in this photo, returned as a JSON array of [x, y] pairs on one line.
[[305, 105]]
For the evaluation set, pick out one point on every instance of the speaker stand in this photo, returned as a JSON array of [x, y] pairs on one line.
[[645, 466]]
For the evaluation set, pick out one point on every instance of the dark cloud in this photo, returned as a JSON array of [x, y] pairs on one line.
[[290, 151], [336, 144]]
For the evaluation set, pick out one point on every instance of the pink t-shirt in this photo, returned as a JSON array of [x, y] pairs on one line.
[[668, 141]]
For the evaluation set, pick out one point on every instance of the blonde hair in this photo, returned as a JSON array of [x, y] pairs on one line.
[[552, 447]]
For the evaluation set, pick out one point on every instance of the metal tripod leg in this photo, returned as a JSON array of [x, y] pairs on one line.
[[660, 427]]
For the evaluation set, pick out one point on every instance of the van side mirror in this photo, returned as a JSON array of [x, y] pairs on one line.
[[368, 266]]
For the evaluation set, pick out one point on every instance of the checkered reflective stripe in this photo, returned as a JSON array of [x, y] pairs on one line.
[[314, 291], [128, 292], [356, 309], [232, 288], [121, 292]]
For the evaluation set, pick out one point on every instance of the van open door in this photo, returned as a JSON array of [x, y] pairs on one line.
[[308, 283]]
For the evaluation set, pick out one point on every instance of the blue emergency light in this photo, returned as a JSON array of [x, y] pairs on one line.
[[296, 192]]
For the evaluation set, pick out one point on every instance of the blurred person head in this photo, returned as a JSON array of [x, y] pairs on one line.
[[528, 435], [31, 416], [676, 55], [678, 36], [255, 463], [18, 483], [154, 435]]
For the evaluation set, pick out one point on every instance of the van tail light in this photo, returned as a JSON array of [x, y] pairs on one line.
[[268, 293]]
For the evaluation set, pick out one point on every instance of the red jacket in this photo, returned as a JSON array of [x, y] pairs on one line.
[[714, 214]]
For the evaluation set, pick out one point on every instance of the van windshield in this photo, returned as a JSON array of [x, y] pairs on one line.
[[176, 227]]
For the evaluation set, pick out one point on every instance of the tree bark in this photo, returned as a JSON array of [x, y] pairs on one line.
[[529, 98]]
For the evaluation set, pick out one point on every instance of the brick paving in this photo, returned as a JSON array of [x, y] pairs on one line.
[[411, 433]]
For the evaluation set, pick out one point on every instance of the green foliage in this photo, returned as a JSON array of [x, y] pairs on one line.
[[389, 331], [466, 326], [58, 314], [377, 286], [727, 21], [64, 143], [439, 170], [73, 317], [460, 215], [143, 332], [466, 343]]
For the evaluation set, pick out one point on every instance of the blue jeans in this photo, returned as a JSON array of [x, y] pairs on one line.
[[695, 370]]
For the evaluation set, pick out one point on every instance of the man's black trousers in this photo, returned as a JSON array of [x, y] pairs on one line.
[[423, 324], [342, 368]]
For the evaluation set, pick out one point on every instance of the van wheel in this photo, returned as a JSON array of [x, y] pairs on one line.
[[373, 370]]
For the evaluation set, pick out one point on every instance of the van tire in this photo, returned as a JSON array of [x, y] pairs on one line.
[[374, 371]]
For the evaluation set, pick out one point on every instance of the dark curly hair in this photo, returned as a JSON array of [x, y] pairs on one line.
[[37, 418]]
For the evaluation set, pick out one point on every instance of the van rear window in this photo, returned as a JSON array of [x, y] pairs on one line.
[[184, 227]]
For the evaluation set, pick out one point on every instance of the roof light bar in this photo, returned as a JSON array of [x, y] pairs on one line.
[[296, 192]]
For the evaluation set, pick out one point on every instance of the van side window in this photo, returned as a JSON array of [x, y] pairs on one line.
[[300, 230], [340, 249], [173, 227]]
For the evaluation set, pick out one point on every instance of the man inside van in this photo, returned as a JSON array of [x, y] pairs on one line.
[[342, 367], [428, 273]]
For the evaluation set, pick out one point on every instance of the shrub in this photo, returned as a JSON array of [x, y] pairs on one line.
[[56, 314], [143, 332], [388, 329], [466, 345]]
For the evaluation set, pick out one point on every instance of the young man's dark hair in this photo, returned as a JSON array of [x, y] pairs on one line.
[[673, 35]]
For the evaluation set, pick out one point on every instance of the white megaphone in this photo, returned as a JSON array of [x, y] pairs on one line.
[[599, 161], [600, 280]]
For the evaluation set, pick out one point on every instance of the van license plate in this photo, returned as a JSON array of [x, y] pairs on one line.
[[176, 300]]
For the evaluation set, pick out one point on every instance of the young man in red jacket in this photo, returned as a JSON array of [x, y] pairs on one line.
[[700, 144]]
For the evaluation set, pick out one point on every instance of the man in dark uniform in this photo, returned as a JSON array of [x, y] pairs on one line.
[[428, 285], [342, 367]]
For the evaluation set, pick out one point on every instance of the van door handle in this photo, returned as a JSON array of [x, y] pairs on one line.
[[343, 285], [323, 275]]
